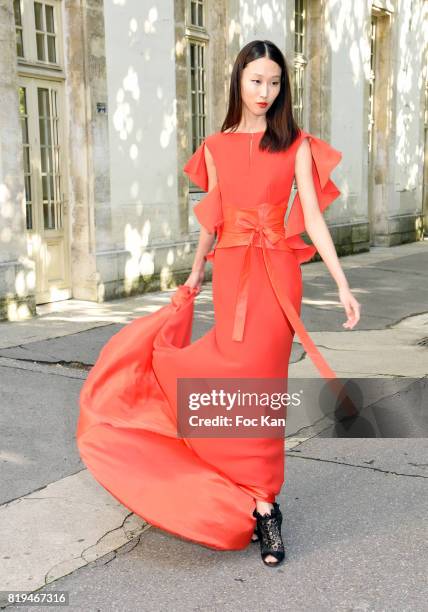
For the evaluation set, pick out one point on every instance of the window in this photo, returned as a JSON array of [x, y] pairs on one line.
[[49, 157], [197, 12], [372, 82], [45, 32], [197, 40], [45, 155], [300, 59], [18, 28], [38, 32], [197, 92], [23, 111]]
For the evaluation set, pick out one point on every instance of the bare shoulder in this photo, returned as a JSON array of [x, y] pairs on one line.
[[303, 147], [212, 146], [210, 164], [208, 154], [303, 153]]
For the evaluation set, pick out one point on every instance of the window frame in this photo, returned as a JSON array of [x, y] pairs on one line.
[[29, 35], [197, 35]]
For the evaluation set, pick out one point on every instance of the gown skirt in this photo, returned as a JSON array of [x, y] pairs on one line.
[[203, 489]]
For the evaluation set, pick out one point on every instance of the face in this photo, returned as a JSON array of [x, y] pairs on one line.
[[260, 82]]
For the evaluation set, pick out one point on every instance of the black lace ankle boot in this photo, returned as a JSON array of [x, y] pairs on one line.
[[255, 537], [269, 532]]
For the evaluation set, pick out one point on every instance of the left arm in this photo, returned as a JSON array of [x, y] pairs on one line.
[[319, 233]]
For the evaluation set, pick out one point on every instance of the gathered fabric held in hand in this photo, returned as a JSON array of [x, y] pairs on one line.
[[204, 489]]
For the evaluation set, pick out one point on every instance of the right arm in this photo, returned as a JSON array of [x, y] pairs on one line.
[[206, 238]]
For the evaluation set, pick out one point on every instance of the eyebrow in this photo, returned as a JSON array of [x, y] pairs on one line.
[[277, 76]]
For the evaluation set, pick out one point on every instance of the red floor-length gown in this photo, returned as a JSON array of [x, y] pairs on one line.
[[204, 489]]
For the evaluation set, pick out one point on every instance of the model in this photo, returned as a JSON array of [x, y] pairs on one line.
[[220, 492]]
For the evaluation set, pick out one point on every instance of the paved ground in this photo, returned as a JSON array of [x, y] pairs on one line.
[[354, 502]]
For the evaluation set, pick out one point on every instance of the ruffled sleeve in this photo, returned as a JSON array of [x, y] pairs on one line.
[[324, 159], [208, 210]]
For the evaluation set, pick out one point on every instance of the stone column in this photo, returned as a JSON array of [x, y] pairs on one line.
[[89, 179]]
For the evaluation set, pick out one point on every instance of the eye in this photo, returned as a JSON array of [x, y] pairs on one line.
[[258, 81]]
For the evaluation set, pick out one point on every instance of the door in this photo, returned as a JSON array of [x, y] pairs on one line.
[[41, 104]]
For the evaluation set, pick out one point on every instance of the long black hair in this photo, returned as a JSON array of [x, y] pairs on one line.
[[282, 130]]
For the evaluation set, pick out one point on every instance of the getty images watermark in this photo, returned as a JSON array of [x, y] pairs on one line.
[[265, 407], [232, 407]]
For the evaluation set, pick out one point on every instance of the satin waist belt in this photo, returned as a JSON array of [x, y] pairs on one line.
[[264, 226]]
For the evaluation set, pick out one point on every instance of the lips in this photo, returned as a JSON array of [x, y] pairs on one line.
[[262, 104]]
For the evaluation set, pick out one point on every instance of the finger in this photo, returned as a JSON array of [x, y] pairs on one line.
[[351, 320], [355, 318]]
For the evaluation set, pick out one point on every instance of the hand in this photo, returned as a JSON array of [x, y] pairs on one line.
[[195, 278], [351, 306]]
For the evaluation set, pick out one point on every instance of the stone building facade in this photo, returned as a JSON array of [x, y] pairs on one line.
[[102, 103]]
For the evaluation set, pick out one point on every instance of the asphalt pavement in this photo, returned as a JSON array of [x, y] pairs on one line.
[[355, 494]]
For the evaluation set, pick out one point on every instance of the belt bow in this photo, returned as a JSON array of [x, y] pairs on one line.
[[262, 229], [267, 223]]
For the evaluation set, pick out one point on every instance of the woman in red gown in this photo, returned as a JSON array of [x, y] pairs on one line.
[[220, 492]]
